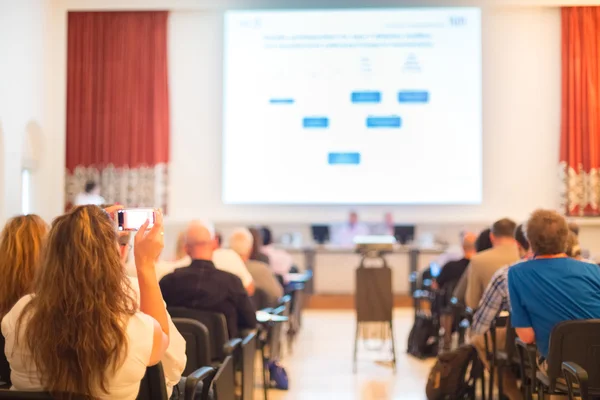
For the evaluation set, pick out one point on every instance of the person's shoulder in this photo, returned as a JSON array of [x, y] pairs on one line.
[[10, 319]]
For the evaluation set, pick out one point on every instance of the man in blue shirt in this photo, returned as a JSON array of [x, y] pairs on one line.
[[551, 287]]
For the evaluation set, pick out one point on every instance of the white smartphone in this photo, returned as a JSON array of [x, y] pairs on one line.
[[131, 219]]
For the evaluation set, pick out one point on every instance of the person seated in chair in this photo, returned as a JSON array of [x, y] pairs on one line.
[[551, 287], [446, 281], [81, 331], [482, 243], [495, 300], [241, 241], [204, 287], [483, 265]]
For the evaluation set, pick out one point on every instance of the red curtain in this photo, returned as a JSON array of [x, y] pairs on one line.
[[580, 138], [118, 105]]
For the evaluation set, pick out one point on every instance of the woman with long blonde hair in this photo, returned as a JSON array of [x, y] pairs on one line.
[[79, 334], [21, 244]]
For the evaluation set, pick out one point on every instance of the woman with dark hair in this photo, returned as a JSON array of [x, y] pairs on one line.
[[483, 241], [79, 334], [257, 245]]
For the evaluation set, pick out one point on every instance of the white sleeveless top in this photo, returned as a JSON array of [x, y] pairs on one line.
[[123, 385]]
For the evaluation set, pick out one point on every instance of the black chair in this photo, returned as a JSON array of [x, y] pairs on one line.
[[221, 345], [577, 380], [573, 341], [4, 367], [222, 386], [153, 385], [197, 343], [297, 304], [249, 344], [202, 375], [22, 395]]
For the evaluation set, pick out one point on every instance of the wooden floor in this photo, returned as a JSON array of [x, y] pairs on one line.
[[320, 366]]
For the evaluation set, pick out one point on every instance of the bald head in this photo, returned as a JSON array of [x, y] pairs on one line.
[[199, 241], [468, 244]]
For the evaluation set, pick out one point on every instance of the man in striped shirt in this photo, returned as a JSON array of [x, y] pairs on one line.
[[495, 299]]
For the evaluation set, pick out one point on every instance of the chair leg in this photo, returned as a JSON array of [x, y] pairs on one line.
[[482, 380], [393, 346], [355, 348], [500, 370], [266, 382]]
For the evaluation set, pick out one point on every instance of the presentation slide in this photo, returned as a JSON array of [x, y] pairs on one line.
[[369, 106]]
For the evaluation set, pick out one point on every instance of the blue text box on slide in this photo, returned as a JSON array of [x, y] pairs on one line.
[[315, 122], [281, 101], [391, 121], [343, 158], [366, 97], [413, 96]]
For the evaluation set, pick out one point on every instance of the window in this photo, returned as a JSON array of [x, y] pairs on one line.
[[25, 192]]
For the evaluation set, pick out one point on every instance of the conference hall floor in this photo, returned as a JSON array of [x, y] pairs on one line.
[[320, 366]]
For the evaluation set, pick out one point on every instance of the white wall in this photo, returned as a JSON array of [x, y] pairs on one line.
[[22, 102], [521, 93]]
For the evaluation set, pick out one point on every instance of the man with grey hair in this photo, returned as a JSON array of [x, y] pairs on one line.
[[551, 287], [268, 289]]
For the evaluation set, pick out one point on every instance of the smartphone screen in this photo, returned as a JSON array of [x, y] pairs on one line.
[[131, 219]]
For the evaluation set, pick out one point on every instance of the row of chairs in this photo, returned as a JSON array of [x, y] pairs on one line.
[[572, 367]]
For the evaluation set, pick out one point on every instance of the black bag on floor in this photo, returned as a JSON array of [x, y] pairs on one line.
[[423, 338], [448, 378]]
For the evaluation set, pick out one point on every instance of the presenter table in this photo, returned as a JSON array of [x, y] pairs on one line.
[[333, 268]]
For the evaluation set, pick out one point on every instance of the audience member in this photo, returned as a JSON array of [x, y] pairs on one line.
[[257, 245], [453, 270], [21, 244], [224, 259], [90, 196], [483, 265], [550, 288], [482, 243], [229, 261], [494, 300], [204, 287], [446, 281], [81, 331], [174, 359], [280, 260], [264, 279]]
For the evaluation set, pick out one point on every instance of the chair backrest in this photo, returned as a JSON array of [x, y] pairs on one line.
[[248, 363], [22, 395], [4, 366], [214, 322], [153, 385], [223, 384], [197, 343], [578, 342]]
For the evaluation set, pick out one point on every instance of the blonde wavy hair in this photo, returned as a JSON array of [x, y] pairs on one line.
[[21, 243], [77, 318]]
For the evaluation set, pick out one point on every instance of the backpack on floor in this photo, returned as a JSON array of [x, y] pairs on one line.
[[279, 378], [448, 378], [423, 339]]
